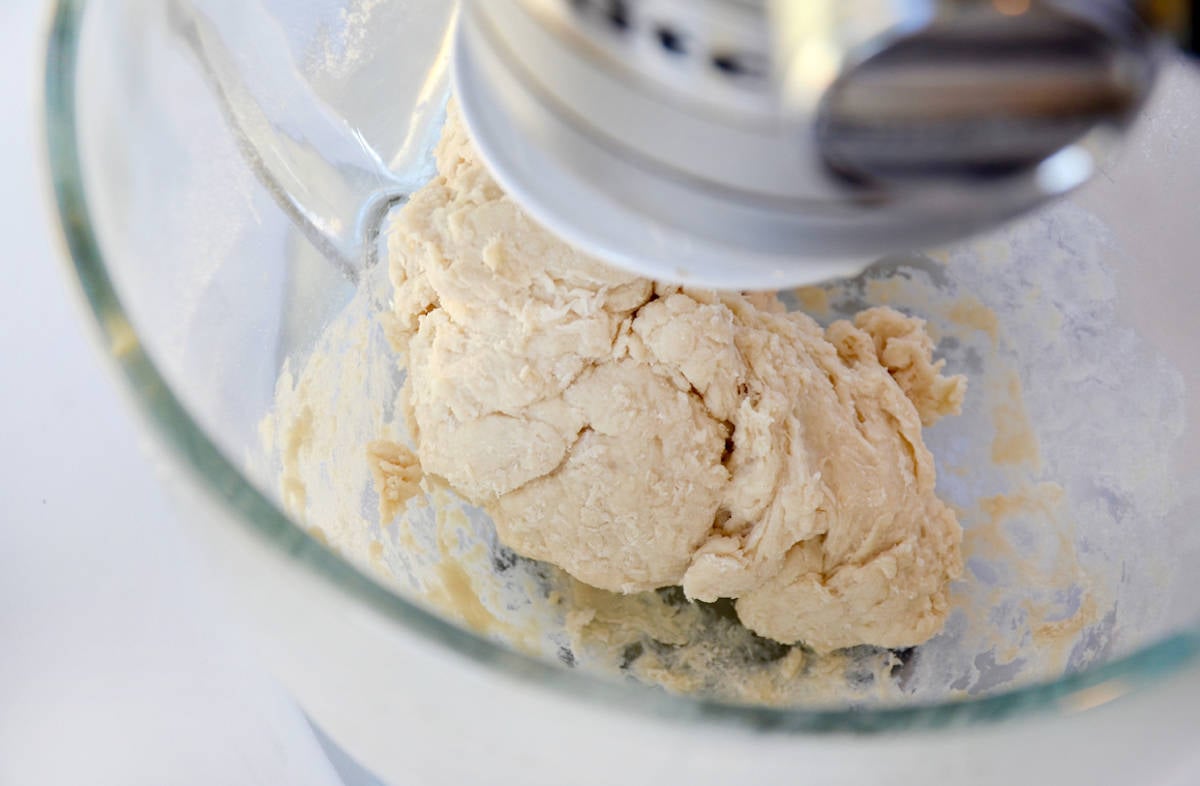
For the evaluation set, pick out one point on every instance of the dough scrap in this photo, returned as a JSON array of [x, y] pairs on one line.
[[397, 475], [641, 435]]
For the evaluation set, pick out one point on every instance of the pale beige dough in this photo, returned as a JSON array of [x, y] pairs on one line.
[[641, 435]]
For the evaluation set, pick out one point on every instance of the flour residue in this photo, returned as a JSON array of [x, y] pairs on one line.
[[339, 46], [1060, 476]]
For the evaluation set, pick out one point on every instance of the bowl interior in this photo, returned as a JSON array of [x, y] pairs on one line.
[[1073, 464]]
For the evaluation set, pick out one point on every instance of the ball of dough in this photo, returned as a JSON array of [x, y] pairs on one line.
[[641, 435]]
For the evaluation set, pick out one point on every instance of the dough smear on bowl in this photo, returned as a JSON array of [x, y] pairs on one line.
[[640, 435]]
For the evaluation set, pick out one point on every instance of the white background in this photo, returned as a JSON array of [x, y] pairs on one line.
[[118, 662]]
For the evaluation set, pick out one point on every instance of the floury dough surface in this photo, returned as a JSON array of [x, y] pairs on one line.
[[643, 436]]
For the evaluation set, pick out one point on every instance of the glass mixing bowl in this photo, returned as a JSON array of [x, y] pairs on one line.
[[214, 166]]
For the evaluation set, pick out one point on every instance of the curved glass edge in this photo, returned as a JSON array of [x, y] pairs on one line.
[[222, 480]]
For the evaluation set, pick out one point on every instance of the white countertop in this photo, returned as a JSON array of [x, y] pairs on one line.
[[118, 663]]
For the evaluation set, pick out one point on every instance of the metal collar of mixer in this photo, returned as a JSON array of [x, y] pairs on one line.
[[741, 144]]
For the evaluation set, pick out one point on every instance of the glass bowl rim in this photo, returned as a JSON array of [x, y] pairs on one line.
[[207, 465]]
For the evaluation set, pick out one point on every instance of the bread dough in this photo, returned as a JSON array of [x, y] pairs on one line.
[[640, 435]]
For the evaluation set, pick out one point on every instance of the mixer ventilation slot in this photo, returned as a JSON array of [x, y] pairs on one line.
[[619, 18]]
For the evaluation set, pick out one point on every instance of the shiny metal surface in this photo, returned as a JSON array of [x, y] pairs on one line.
[[778, 132]]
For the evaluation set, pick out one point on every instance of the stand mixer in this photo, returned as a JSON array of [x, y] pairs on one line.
[[759, 144], [202, 224]]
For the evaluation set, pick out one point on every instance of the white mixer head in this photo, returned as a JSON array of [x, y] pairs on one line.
[[760, 144]]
